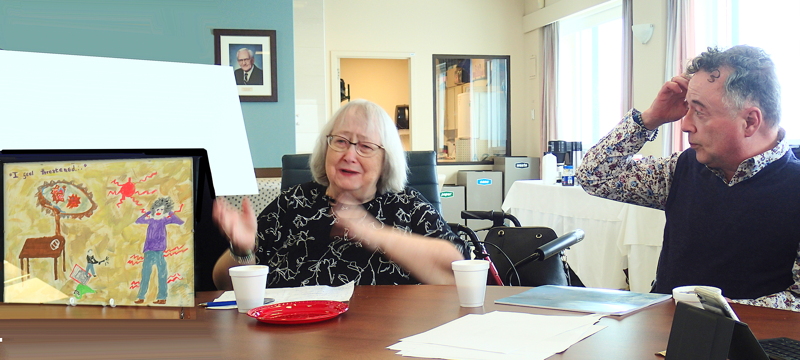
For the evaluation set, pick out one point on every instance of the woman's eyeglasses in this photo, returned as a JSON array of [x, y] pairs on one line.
[[363, 148]]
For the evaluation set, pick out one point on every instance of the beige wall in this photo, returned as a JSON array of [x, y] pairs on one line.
[[417, 29], [422, 28], [533, 97], [649, 62], [311, 100]]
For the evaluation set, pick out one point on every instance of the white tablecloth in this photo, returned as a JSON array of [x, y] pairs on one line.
[[618, 235]]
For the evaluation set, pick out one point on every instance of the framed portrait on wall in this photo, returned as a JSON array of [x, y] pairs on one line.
[[252, 55]]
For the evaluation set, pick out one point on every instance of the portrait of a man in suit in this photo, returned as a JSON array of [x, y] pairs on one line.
[[247, 73]]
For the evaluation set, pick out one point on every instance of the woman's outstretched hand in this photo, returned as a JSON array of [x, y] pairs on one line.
[[238, 226], [428, 259]]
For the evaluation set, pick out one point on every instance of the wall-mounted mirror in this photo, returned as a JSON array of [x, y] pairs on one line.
[[471, 108]]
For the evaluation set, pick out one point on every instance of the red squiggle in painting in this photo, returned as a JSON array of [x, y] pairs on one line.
[[135, 259], [175, 251], [174, 277]]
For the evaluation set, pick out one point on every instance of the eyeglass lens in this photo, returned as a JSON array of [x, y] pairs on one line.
[[363, 148]]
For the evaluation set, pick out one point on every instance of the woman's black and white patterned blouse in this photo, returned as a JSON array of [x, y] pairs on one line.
[[294, 239]]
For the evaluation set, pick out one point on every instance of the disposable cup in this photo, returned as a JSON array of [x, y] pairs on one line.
[[471, 281], [249, 282], [686, 294]]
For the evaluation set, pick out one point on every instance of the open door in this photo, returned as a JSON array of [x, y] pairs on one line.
[[384, 79]]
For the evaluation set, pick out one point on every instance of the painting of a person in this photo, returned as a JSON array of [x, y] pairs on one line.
[[155, 243], [248, 73], [91, 261]]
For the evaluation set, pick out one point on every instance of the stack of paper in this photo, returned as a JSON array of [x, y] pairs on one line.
[[500, 335]]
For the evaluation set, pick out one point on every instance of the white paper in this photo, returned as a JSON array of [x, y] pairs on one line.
[[562, 342], [303, 293], [84, 102], [503, 335]]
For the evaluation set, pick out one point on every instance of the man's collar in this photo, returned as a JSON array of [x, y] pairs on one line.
[[750, 167]]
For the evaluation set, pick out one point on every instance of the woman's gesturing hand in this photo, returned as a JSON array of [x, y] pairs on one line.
[[238, 226], [354, 222]]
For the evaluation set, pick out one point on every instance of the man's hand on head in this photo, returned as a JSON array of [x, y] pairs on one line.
[[669, 105]]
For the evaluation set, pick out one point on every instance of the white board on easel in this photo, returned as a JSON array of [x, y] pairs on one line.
[[52, 101]]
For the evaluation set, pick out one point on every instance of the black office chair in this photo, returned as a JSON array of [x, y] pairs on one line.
[[423, 177], [295, 170], [522, 255], [421, 165]]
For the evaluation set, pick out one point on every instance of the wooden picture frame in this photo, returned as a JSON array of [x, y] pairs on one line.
[[253, 57]]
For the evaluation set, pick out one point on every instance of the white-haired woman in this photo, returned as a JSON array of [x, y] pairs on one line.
[[356, 222]]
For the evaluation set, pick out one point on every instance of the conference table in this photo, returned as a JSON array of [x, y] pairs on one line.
[[619, 237], [378, 316]]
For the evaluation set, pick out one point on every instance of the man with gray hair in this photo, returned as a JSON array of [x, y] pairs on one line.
[[731, 199], [248, 73]]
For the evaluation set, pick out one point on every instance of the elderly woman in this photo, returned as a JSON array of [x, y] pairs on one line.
[[356, 222]]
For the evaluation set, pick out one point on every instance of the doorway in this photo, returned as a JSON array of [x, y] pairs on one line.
[[384, 80]]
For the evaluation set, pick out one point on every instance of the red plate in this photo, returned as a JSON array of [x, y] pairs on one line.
[[298, 312]]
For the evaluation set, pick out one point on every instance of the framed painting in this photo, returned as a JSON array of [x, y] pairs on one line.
[[99, 232], [253, 57]]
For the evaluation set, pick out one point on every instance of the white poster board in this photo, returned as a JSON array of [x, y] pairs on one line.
[[51, 101]]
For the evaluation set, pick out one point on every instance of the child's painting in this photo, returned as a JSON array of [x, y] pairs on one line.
[[99, 232]]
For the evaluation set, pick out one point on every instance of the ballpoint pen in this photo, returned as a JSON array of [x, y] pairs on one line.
[[228, 303]]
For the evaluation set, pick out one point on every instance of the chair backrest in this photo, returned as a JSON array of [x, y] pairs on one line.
[[295, 170], [423, 176], [421, 165]]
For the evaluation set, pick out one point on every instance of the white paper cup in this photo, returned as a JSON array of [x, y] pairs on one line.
[[471, 281], [249, 282], [686, 294]]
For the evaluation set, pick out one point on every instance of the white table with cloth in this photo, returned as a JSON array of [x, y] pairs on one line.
[[618, 236]]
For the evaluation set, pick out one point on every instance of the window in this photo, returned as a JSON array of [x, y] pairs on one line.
[[471, 111], [589, 78], [725, 23]]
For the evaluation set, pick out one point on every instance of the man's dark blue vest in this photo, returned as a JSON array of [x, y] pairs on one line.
[[742, 238]]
